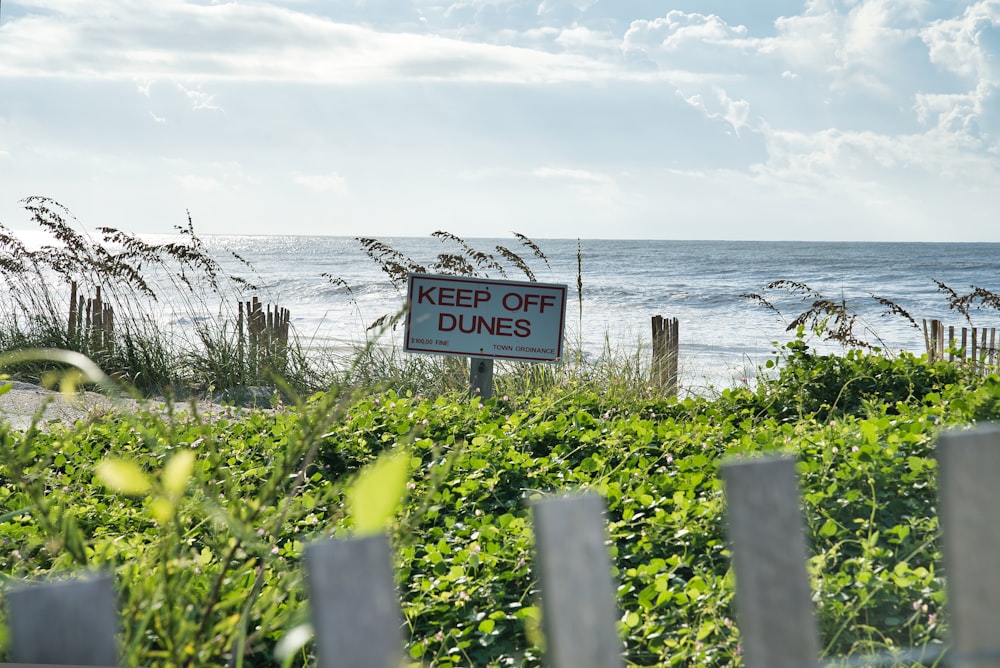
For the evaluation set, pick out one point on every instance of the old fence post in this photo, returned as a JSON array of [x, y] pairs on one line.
[[72, 622], [579, 606], [773, 599], [666, 350], [355, 606], [481, 377], [969, 468]]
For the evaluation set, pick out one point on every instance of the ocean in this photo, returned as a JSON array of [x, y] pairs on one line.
[[725, 336]]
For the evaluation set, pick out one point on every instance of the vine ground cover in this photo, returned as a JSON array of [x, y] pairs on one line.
[[206, 548]]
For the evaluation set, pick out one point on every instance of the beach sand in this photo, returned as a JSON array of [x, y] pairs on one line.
[[20, 405]]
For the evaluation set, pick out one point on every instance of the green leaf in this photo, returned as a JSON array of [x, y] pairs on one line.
[[162, 509], [290, 643], [828, 529], [177, 472], [91, 373], [374, 496], [123, 477]]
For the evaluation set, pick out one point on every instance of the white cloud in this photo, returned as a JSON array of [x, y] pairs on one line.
[[571, 174], [958, 44], [548, 6], [199, 99], [588, 185], [734, 112], [848, 161], [954, 112], [257, 42], [584, 40], [197, 182], [323, 182], [706, 42]]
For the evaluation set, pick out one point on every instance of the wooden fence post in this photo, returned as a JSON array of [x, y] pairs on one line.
[[579, 606], [481, 377], [72, 622], [73, 324], [666, 351], [969, 468], [773, 598], [355, 607]]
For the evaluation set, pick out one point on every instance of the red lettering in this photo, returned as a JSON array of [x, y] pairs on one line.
[[425, 292], [441, 322], [513, 301], [516, 301], [482, 296], [445, 294], [478, 324], [463, 298]]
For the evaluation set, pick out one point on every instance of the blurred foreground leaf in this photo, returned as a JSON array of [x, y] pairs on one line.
[[376, 493], [123, 477]]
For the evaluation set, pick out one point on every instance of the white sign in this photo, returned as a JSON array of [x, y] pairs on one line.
[[478, 317]]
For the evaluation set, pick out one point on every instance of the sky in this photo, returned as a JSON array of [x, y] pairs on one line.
[[858, 120]]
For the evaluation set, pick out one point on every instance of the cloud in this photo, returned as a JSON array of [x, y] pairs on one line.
[[967, 45], [734, 112], [679, 30], [199, 99], [182, 41], [198, 183], [832, 159], [323, 182], [590, 186]]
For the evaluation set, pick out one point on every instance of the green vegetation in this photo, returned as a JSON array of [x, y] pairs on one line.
[[203, 519], [207, 549]]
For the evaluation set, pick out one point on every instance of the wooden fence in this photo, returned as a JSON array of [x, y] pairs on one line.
[[358, 623], [90, 319], [974, 346], [263, 336], [666, 350]]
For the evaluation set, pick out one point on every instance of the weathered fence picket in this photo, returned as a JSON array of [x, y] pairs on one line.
[[773, 598], [969, 471], [355, 606], [262, 333], [358, 622], [666, 353], [72, 622], [975, 347], [579, 608], [91, 320]]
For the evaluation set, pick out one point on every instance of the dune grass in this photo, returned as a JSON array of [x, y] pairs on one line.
[[198, 348]]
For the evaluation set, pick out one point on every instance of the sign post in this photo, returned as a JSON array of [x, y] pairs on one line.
[[481, 378], [485, 320]]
